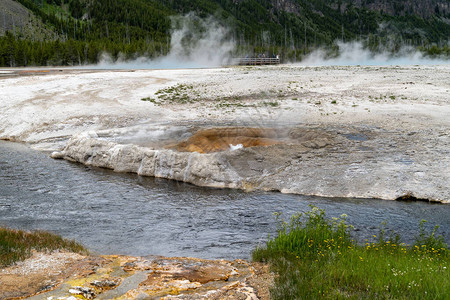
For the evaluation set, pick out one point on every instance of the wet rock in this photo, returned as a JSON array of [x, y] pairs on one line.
[[57, 155], [126, 277], [87, 293], [105, 284], [44, 272], [204, 170], [309, 161]]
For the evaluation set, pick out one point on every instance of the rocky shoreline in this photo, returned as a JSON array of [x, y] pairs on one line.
[[331, 162], [63, 275]]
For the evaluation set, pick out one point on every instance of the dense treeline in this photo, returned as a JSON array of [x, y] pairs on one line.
[[86, 29], [18, 52], [116, 20]]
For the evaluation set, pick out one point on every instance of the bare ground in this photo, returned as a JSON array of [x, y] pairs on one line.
[[64, 275], [373, 132]]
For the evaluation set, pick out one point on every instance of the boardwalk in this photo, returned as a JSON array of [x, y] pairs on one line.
[[259, 61]]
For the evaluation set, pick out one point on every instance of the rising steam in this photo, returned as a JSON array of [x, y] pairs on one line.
[[352, 54], [195, 43], [202, 43]]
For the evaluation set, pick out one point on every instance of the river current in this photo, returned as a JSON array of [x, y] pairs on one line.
[[114, 213]]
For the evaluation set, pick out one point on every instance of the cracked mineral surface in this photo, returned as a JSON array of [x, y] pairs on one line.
[[65, 275], [371, 132]]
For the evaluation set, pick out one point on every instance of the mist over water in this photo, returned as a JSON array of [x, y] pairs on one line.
[[195, 43], [354, 53]]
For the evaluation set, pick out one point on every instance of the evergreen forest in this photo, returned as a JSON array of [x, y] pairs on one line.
[[81, 30]]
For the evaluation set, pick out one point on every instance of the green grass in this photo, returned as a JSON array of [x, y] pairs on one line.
[[149, 99], [316, 258], [17, 245], [271, 104], [177, 94]]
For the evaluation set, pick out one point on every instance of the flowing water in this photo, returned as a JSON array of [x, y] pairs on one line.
[[115, 213]]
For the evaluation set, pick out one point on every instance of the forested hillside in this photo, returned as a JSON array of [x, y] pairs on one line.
[[74, 32]]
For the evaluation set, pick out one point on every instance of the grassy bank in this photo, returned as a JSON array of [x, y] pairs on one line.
[[316, 257], [17, 245]]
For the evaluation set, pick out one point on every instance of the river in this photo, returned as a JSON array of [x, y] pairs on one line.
[[114, 213]]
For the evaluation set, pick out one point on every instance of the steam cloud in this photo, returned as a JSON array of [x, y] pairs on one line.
[[199, 43], [195, 43], [351, 54]]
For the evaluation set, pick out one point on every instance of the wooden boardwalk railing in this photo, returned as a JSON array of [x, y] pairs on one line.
[[259, 61]]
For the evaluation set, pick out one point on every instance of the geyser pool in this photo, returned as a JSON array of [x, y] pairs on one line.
[[219, 139], [127, 214]]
